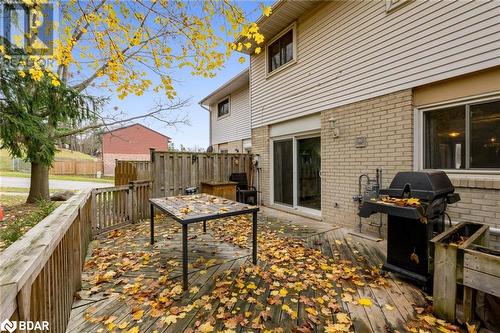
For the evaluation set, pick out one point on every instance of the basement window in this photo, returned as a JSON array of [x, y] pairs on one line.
[[465, 137], [223, 108]]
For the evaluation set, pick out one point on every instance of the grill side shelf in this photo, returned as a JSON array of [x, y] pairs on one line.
[[368, 208]]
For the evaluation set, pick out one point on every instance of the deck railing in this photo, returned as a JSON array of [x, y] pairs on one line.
[[113, 207], [40, 273]]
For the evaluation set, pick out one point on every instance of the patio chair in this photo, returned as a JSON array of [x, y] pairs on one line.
[[244, 193]]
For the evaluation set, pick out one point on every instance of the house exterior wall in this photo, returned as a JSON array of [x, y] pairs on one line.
[[109, 160], [260, 147], [135, 139], [231, 146], [467, 86], [236, 125], [387, 124], [349, 51], [479, 191], [130, 143]]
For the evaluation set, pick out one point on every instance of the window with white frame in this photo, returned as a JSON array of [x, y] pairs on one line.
[[223, 108], [465, 136], [281, 50]]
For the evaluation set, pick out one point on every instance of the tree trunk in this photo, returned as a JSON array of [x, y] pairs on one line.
[[39, 187]]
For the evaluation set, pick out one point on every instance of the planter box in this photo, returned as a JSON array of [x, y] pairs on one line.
[[481, 272], [449, 264]]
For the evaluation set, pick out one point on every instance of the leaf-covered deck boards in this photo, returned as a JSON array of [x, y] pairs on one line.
[[311, 277], [199, 207]]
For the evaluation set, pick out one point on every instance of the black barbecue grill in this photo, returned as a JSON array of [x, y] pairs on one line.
[[409, 229]]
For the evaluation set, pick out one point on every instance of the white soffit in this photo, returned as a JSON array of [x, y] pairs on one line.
[[303, 124]]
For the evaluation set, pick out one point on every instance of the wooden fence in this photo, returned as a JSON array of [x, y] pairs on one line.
[[128, 171], [113, 207], [172, 172], [76, 167], [40, 273]]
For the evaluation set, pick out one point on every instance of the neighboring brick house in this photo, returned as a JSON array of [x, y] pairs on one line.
[[406, 85], [229, 108], [130, 143]]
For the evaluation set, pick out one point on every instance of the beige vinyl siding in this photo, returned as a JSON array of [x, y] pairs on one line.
[[236, 125], [349, 51]]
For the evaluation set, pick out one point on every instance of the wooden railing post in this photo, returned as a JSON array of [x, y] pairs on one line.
[[93, 209], [130, 203], [24, 303]]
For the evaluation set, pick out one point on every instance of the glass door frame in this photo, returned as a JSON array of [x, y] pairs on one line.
[[294, 138]]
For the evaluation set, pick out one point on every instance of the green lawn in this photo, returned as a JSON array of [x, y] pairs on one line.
[[59, 177]]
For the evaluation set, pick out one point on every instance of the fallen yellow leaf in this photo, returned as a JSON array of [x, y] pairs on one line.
[[206, 327], [137, 315], [365, 302], [343, 318]]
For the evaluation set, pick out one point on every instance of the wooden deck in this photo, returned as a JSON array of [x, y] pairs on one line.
[[131, 287]]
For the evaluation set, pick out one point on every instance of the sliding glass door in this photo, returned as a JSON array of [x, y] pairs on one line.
[[283, 172], [309, 173], [297, 172]]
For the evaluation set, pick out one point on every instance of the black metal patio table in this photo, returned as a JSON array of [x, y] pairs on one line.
[[201, 208]]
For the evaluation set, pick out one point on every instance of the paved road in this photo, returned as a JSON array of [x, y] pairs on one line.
[[53, 183]]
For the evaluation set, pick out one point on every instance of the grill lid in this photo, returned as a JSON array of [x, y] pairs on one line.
[[425, 185]]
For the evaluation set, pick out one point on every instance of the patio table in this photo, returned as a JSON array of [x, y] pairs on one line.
[[201, 208]]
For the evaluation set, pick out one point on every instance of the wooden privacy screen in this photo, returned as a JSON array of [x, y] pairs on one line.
[[128, 171], [173, 172]]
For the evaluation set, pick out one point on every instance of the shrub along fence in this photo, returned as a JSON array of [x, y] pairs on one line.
[[41, 272], [173, 172]]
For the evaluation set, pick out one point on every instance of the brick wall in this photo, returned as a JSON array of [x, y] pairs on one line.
[[480, 201], [260, 146], [109, 161], [387, 124]]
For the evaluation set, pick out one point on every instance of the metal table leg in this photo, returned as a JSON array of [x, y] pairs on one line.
[[204, 226], [254, 238], [152, 224], [184, 257]]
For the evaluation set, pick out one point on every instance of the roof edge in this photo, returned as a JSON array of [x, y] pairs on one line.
[[227, 84], [148, 128]]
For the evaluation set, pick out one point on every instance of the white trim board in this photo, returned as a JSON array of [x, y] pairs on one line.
[[294, 126]]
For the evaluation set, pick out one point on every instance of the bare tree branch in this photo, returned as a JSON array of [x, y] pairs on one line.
[[154, 113]]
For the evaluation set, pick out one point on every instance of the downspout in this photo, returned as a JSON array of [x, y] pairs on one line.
[[209, 123]]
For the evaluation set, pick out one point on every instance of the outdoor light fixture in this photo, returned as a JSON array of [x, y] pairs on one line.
[[333, 126], [453, 134]]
